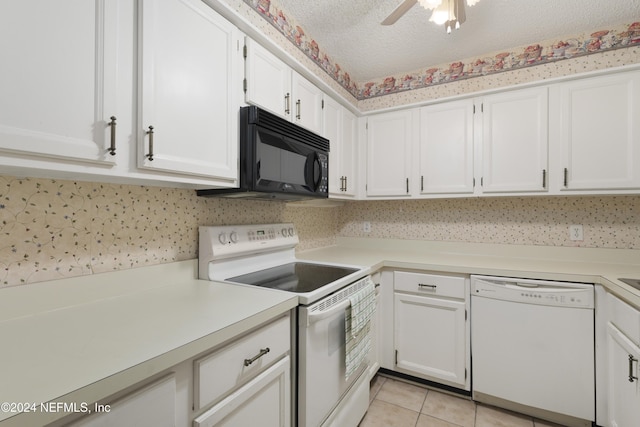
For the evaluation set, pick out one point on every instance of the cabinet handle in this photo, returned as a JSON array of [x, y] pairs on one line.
[[407, 185], [422, 183], [298, 109], [150, 133], [112, 125], [342, 183], [424, 285], [263, 351], [544, 178], [287, 103], [631, 360], [345, 183], [566, 177]]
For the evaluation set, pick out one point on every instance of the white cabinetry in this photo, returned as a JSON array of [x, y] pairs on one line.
[[339, 127], [622, 365], [273, 85], [600, 133], [189, 60], [390, 141], [431, 331], [246, 380], [151, 406], [60, 75], [446, 148], [515, 141]]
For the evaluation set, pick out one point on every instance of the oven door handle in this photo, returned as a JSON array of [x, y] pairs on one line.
[[316, 317]]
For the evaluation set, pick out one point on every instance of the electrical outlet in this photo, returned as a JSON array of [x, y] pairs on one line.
[[366, 227], [576, 233]]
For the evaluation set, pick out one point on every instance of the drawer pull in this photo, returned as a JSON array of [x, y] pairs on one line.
[[631, 360], [263, 351], [431, 287], [112, 146], [150, 133]]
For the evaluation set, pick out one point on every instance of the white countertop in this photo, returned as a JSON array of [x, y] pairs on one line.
[[603, 266], [82, 339]]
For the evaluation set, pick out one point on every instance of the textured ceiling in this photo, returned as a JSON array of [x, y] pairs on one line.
[[350, 31]]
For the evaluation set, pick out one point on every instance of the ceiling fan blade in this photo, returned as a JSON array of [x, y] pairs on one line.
[[398, 12]]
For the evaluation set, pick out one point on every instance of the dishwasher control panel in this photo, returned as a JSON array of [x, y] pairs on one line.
[[529, 291]]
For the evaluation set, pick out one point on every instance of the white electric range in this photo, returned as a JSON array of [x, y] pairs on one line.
[[264, 255]]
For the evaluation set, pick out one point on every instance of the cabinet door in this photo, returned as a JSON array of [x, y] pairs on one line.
[[332, 130], [600, 132], [446, 148], [189, 59], [59, 78], [624, 389], [348, 147], [267, 398], [390, 137], [268, 80], [153, 406], [515, 141], [307, 103], [430, 338]]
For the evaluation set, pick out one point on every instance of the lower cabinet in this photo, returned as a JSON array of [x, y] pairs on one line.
[[152, 406], [431, 328], [622, 366]]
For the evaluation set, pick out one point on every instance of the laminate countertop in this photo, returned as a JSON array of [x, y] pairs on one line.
[[84, 338], [575, 264]]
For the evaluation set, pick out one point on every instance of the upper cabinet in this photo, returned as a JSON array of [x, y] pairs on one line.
[[600, 133], [273, 85], [515, 141], [446, 148], [190, 60], [390, 141], [59, 88], [339, 127]]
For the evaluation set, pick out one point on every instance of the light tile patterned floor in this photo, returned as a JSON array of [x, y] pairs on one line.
[[398, 404]]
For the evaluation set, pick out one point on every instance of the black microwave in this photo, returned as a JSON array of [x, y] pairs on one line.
[[278, 160]]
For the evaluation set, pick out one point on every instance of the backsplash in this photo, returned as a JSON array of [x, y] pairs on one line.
[[608, 221], [54, 228]]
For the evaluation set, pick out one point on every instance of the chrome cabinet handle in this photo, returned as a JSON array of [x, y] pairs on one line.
[[298, 109], [150, 133], [424, 285], [342, 183], [263, 351], [631, 376], [112, 125], [287, 103]]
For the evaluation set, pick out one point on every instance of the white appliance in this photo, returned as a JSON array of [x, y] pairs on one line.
[[264, 255], [532, 347]]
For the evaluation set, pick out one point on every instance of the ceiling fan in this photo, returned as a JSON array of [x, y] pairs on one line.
[[451, 13]]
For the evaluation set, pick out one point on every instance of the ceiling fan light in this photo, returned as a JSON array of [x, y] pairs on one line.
[[442, 14], [430, 4]]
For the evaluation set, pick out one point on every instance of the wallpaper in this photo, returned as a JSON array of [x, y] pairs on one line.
[[51, 229]]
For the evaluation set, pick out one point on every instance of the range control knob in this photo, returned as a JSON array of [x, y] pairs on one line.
[[284, 232], [291, 231], [222, 237], [233, 237]]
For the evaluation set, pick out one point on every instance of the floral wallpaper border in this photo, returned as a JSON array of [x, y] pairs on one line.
[[624, 36]]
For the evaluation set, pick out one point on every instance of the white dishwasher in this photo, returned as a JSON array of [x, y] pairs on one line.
[[532, 344]]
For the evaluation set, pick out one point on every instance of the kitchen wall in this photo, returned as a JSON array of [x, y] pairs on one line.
[[50, 229], [608, 221]]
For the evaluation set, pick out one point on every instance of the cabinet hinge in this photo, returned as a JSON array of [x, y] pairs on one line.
[[244, 51], [244, 85]]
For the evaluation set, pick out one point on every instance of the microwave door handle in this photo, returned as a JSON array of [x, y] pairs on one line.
[[314, 173]]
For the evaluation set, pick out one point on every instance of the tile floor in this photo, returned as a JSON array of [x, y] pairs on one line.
[[395, 403]]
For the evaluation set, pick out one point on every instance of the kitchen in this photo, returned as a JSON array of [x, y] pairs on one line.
[[62, 228]]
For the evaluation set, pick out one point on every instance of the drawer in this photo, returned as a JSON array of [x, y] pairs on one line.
[[216, 374], [430, 284], [625, 317]]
